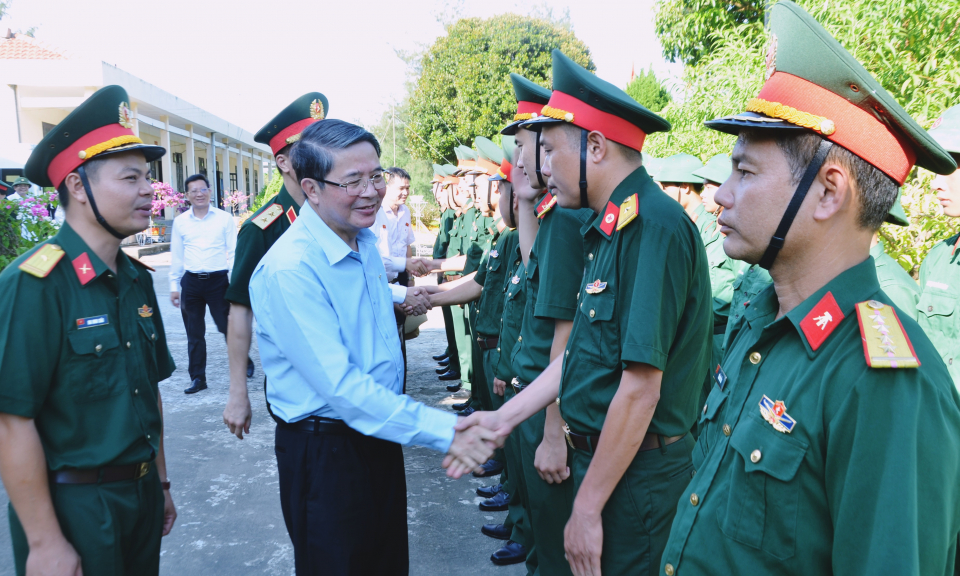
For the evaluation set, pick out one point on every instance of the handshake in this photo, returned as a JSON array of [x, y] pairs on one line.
[[417, 301], [421, 266], [474, 441]]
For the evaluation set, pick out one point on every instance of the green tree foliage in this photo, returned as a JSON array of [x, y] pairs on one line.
[[908, 45], [648, 91], [464, 88]]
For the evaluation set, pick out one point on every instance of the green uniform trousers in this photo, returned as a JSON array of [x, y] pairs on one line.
[[550, 504], [461, 332], [518, 510], [114, 527], [448, 328], [637, 517]]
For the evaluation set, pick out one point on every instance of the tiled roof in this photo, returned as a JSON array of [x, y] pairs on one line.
[[23, 47]]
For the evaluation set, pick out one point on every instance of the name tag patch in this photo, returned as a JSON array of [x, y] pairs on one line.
[[92, 321], [939, 285]]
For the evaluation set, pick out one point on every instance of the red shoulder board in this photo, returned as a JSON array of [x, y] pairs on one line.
[[821, 321], [548, 202], [885, 343], [609, 219], [291, 214], [84, 268]]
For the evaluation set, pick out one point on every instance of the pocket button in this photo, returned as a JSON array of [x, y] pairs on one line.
[[755, 456]]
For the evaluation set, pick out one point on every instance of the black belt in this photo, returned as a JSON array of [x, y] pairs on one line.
[[651, 441], [488, 343], [97, 475], [518, 385], [205, 275], [317, 425], [719, 329]]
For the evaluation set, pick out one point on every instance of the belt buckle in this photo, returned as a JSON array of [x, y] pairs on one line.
[[142, 470], [203, 275], [516, 384], [566, 434]]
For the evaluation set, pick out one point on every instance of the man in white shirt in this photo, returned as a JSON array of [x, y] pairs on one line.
[[202, 246]]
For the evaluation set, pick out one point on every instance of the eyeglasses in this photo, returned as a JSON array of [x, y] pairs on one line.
[[199, 191], [358, 186]]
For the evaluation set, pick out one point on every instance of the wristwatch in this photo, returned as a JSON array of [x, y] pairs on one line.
[[165, 485]]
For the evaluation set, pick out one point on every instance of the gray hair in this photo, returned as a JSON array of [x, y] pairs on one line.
[[312, 156]]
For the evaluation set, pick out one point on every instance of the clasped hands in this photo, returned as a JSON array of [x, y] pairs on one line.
[[420, 266], [417, 301], [474, 441]]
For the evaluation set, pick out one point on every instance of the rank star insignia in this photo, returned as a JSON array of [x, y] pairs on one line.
[[776, 414], [145, 311], [885, 343], [268, 216], [596, 287]]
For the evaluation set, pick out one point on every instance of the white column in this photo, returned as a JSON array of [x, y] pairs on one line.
[[211, 161], [136, 119], [189, 162], [166, 162]]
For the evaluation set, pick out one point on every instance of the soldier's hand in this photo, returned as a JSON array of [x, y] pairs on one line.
[[499, 386], [583, 542], [54, 558], [169, 513], [237, 414], [470, 448], [551, 460], [417, 302], [175, 299]]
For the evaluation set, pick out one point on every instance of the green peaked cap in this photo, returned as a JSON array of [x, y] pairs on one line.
[[813, 83], [290, 122], [107, 112], [946, 130], [449, 169], [581, 98], [438, 170], [530, 100], [465, 153], [489, 150], [680, 168], [717, 169]]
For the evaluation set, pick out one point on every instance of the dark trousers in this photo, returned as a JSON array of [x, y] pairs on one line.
[[197, 291], [344, 501]]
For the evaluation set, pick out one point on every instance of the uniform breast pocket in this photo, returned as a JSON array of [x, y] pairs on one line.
[[148, 340], [764, 496], [493, 264], [937, 308], [94, 369], [599, 338], [705, 425]]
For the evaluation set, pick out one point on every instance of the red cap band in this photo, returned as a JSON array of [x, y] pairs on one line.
[[589, 118], [68, 160], [505, 169], [857, 130], [278, 142], [527, 110]]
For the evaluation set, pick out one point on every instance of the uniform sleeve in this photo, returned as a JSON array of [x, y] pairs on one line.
[[31, 336], [891, 469], [251, 246], [560, 266], [904, 298]]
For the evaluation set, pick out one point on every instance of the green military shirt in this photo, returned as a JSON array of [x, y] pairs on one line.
[[645, 297], [750, 281], [895, 281], [939, 297], [514, 302], [553, 275], [492, 276], [723, 269], [83, 360], [864, 481], [704, 221], [443, 235], [253, 241], [481, 241]]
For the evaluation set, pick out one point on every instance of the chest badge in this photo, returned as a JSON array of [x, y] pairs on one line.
[[92, 321], [515, 280], [721, 377], [145, 311], [776, 414], [885, 344], [494, 254], [821, 321], [596, 287]]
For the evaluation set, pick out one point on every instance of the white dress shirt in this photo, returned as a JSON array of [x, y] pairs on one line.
[[328, 337], [201, 244], [394, 235]]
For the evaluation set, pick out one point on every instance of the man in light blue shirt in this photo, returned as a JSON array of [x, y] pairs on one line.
[[330, 349]]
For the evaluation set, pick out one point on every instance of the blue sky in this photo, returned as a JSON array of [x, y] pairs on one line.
[[245, 60]]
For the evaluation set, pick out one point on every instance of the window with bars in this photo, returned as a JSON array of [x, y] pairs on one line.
[[178, 169]]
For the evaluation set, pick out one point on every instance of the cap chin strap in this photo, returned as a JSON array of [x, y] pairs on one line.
[[543, 184], [513, 218], [776, 243], [584, 203], [93, 204]]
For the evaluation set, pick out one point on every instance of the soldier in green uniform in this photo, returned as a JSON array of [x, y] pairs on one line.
[[442, 194], [83, 349], [940, 272], [714, 173], [894, 280], [676, 177], [832, 420], [256, 236]]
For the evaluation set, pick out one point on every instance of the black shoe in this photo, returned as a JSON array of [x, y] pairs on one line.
[[444, 363], [466, 412], [498, 503], [489, 492], [443, 369], [249, 367], [498, 531], [461, 406], [198, 385], [450, 375], [511, 553], [490, 468], [440, 357], [454, 387]]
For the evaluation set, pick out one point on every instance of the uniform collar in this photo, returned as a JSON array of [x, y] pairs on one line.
[[877, 251], [332, 245], [76, 248], [286, 201], [639, 183], [849, 288]]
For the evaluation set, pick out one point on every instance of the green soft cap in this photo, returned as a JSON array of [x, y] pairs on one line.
[[946, 130], [680, 168], [716, 170], [20, 180]]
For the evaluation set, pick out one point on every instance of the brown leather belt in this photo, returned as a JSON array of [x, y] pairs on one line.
[[99, 475], [488, 343], [589, 443]]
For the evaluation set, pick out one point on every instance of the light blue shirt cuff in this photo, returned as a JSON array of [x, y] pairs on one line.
[[398, 292]]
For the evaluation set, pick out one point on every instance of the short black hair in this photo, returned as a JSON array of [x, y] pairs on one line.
[[91, 167], [395, 172], [312, 156], [194, 178]]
